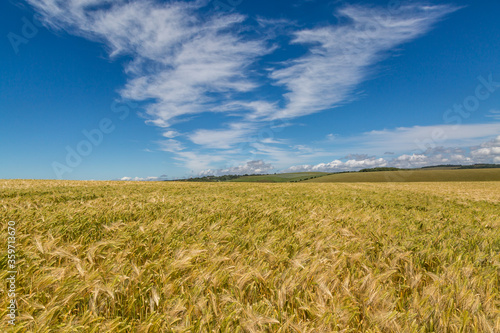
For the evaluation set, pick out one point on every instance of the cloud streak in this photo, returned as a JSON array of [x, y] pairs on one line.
[[187, 59], [183, 63], [420, 138], [340, 57]]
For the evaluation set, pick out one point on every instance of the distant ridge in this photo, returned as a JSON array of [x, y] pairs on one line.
[[389, 174], [415, 175]]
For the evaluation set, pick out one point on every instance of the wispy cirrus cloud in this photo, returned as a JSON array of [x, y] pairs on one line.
[[223, 138], [340, 56], [187, 60], [422, 137], [171, 145], [495, 114], [183, 62]]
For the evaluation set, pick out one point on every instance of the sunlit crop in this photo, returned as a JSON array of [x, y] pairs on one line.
[[246, 257]]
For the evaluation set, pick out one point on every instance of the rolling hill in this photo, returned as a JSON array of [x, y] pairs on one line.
[[420, 175]]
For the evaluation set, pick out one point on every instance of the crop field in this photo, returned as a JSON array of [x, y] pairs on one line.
[[421, 175], [253, 257]]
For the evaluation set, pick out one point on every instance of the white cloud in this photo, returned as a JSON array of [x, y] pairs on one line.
[[274, 141], [171, 145], [436, 156], [339, 59], [331, 137], [340, 55], [410, 161], [186, 60], [170, 134], [256, 109], [282, 157], [251, 167], [161, 178], [181, 58], [223, 139], [495, 114], [338, 166], [420, 138], [198, 161], [358, 157], [486, 152]]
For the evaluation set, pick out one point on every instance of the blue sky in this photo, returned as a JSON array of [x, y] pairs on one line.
[[95, 89]]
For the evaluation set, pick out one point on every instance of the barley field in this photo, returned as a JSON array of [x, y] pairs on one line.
[[253, 257], [418, 175]]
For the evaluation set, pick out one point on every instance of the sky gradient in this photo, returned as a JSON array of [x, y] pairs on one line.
[[135, 90]]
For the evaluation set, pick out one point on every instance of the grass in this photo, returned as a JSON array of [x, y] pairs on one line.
[[229, 257], [426, 175]]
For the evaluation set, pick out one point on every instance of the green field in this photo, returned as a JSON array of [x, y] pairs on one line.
[[280, 177], [246, 257], [431, 175]]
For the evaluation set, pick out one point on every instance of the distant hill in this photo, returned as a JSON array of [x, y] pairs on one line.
[[267, 178], [281, 177], [446, 172], [380, 169], [415, 175], [206, 179], [480, 166]]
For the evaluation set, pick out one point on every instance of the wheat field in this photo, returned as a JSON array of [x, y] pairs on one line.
[[245, 257], [417, 175]]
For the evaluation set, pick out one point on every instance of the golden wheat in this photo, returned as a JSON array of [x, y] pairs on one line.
[[230, 257]]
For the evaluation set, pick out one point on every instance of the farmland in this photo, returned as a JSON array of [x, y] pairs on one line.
[[254, 257], [417, 175], [474, 173]]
